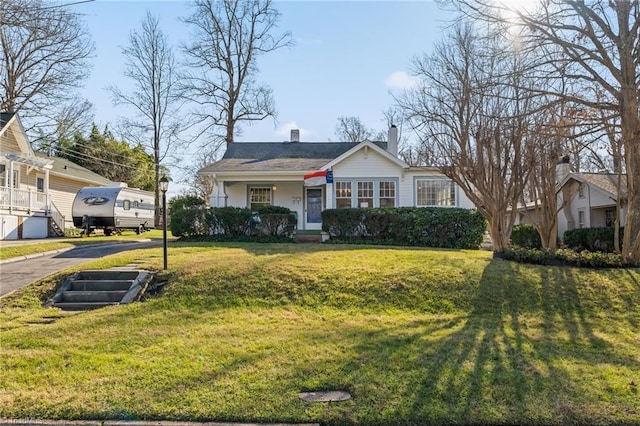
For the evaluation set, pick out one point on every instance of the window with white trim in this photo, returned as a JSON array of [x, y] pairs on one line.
[[365, 194], [435, 193], [610, 218], [259, 196], [581, 217], [39, 184], [343, 194], [387, 193], [581, 190], [3, 175]]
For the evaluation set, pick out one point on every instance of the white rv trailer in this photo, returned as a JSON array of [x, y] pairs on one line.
[[113, 208]]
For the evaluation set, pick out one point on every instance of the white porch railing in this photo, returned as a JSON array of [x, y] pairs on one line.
[[19, 199]]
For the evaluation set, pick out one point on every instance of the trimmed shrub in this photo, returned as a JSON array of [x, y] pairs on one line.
[[342, 223], [526, 235], [376, 222], [232, 221], [184, 201], [591, 239], [276, 221], [564, 257], [427, 227], [189, 221]]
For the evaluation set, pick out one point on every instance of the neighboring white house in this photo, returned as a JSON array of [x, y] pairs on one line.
[[36, 191], [588, 199], [365, 174]]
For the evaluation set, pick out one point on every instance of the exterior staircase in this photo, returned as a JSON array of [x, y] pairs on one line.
[[96, 289], [56, 222]]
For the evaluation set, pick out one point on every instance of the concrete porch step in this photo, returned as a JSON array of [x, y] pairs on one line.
[[308, 238]]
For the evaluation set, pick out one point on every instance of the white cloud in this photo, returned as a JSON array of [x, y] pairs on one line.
[[401, 80], [285, 131]]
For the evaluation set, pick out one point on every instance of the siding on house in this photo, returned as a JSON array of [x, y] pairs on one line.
[[366, 164], [8, 143], [62, 192]]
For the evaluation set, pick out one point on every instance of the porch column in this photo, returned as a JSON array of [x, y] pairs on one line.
[[46, 188], [10, 185], [328, 202], [218, 197]]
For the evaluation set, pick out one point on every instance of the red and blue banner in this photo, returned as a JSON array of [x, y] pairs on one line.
[[321, 177]]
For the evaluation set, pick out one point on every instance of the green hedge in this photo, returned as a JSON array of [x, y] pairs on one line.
[[197, 222], [276, 221], [426, 227], [564, 257], [591, 239], [526, 235]]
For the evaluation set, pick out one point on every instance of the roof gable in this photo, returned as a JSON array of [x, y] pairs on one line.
[[12, 131], [605, 182], [365, 146]]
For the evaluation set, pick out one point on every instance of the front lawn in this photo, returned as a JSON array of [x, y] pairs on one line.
[[417, 336]]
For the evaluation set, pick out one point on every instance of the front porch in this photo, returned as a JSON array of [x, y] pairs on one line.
[[28, 214], [306, 202]]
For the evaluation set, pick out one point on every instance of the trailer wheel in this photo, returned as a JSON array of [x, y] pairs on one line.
[[107, 232], [140, 229]]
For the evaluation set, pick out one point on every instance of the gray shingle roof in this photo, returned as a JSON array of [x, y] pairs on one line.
[[279, 156], [63, 166], [606, 182]]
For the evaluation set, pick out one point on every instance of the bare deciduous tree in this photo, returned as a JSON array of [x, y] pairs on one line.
[[470, 111], [45, 48], [352, 129], [228, 36], [600, 39], [152, 68]]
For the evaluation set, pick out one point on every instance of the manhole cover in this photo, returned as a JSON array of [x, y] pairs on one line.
[[325, 396]]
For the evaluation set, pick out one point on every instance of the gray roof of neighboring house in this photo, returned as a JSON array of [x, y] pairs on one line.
[[280, 156], [62, 166], [605, 181]]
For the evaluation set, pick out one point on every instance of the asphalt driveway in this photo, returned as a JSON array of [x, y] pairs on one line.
[[16, 273]]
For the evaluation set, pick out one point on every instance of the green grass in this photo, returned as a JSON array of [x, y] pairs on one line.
[[9, 251], [416, 336]]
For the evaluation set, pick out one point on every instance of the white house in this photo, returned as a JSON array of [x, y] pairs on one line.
[[36, 191], [588, 200], [364, 174]]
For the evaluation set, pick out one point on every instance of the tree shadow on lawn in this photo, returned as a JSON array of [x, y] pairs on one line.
[[518, 358]]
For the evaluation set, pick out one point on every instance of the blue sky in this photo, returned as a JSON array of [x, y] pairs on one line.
[[348, 58]]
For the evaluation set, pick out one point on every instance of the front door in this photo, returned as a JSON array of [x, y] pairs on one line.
[[313, 208]]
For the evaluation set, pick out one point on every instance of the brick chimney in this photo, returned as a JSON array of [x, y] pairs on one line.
[[392, 141], [295, 135]]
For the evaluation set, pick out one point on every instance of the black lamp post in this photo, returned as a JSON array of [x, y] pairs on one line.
[[164, 185]]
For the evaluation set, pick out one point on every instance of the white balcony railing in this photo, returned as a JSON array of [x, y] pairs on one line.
[[19, 199]]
